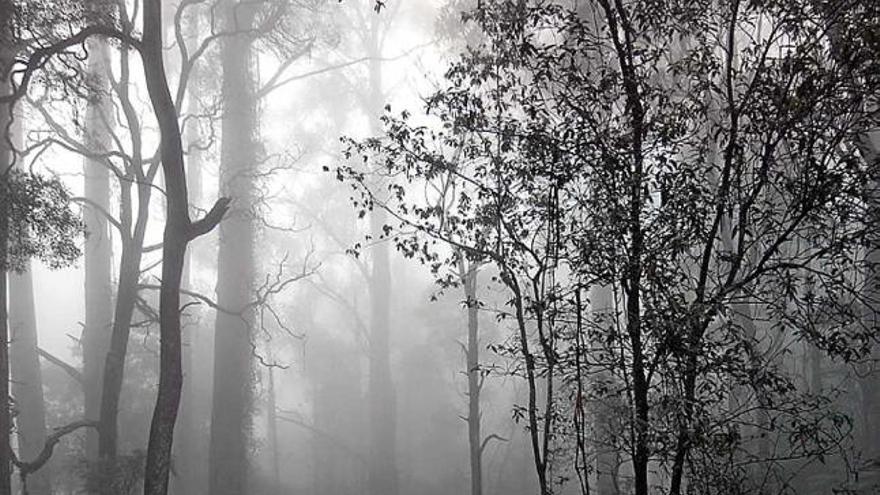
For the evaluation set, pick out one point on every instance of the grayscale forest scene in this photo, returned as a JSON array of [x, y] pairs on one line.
[[440, 247]]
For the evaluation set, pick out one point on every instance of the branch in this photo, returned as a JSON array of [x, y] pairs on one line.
[[274, 82], [48, 447], [68, 368], [490, 437], [210, 220], [102, 211], [41, 56]]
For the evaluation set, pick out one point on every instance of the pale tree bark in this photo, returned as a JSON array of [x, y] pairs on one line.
[[231, 403], [467, 273], [272, 433], [382, 403], [97, 251], [604, 312], [26, 375]]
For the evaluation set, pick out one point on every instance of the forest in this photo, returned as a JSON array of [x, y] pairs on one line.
[[440, 247]]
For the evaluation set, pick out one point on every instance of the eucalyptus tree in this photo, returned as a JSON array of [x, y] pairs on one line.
[[289, 31]]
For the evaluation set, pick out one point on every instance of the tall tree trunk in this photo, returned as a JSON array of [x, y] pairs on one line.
[[383, 465], [97, 252], [231, 404], [26, 375], [179, 231], [383, 425], [6, 60]]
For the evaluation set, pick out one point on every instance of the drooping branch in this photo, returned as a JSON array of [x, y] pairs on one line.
[[28, 467], [488, 439], [66, 367]]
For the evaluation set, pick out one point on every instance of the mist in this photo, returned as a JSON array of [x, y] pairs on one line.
[[434, 247]]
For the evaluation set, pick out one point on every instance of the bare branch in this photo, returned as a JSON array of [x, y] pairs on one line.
[[68, 368], [210, 220]]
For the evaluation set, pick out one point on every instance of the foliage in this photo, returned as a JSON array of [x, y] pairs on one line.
[[693, 159], [41, 222]]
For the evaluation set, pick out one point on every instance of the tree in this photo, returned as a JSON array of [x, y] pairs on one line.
[[231, 408]]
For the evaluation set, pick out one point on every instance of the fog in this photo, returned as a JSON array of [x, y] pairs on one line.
[[434, 247]]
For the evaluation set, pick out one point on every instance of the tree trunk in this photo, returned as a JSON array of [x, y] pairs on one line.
[[27, 378], [604, 313], [97, 252], [179, 231], [468, 276], [6, 60], [383, 469], [26, 375], [188, 458], [5, 418], [272, 433], [383, 427], [231, 405]]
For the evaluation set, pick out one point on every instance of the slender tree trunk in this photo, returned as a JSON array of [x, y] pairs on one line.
[[26, 375], [468, 276], [5, 417], [231, 404], [187, 444], [179, 231], [272, 433], [97, 255]]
